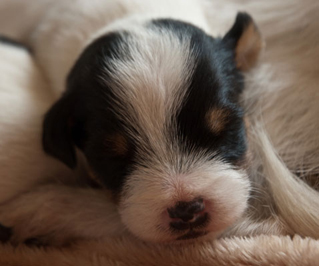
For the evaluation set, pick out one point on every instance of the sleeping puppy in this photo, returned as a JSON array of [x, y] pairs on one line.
[[155, 111], [152, 102]]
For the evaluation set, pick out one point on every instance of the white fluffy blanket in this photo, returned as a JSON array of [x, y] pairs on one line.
[[261, 250]]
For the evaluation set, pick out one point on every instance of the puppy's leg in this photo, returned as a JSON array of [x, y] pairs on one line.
[[57, 215]]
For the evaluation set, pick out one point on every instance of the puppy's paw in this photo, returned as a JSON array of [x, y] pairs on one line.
[[5, 233], [54, 215], [30, 228], [22, 222], [31, 233]]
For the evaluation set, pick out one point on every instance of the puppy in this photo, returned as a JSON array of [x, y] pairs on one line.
[[152, 102]]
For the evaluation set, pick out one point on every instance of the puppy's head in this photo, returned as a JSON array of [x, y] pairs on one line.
[[155, 111]]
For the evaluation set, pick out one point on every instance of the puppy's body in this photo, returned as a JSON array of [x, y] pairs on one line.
[[58, 45], [37, 193], [59, 34], [24, 99]]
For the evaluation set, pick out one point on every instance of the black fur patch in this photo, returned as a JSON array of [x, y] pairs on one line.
[[83, 117], [98, 119], [216, 84]]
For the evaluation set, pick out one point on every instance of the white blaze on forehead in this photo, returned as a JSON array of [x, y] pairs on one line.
[[150, 80]]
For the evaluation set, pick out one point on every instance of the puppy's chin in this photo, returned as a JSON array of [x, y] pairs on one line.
[[148, 200]]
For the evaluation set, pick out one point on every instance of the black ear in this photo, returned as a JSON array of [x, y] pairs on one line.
[[57, 137], [246, 40]]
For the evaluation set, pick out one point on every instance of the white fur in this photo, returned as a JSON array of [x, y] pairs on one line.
[[148, 193], [57, 214], [24, 99], [55, 35], [150, 87]]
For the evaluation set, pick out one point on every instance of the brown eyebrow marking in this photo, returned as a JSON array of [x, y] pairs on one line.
[[117, 143], [217, 119]]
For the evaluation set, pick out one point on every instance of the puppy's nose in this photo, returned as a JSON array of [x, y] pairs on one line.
[[186, 210]]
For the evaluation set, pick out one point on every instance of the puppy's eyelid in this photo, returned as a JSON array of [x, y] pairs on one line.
[[117, 144]]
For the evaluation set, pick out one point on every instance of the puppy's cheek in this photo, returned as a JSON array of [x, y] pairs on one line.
[[5, 233], [231, 201], [143, 217]]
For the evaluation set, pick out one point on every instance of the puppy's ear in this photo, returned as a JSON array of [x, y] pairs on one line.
[[57, 136], [246, 40]]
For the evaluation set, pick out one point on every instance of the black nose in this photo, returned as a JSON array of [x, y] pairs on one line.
[[186, 210]]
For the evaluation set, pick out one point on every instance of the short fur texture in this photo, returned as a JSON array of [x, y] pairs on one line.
[[257, 251], [25, 99]]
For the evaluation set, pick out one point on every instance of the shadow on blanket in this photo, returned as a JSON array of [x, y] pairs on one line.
[[261, 250]]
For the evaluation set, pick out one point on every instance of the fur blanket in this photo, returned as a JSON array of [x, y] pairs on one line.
[[261, 250]]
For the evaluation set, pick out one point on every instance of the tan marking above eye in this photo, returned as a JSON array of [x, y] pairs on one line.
[[217, 119], [117, 143]]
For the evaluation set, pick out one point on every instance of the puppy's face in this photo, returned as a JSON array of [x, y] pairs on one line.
[[155, 111]]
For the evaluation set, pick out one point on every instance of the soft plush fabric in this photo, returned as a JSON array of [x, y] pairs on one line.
[[261, 250]]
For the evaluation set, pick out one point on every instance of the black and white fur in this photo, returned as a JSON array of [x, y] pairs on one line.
[[150, 83], [154, 83]]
